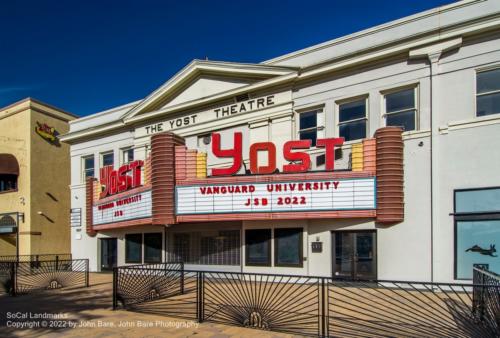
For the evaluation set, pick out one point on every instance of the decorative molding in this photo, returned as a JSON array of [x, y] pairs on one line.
[[472, 123]]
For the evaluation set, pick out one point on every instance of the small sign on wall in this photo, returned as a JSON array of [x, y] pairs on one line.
[[317, 246], [76, 217]]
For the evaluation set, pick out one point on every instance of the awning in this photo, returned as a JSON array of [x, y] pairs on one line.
[[8, 165]]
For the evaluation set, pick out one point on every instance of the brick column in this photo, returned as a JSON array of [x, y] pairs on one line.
[[163, 176], [390, 175]]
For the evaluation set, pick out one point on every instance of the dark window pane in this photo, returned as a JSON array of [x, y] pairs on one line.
[[258, 247], [133, 248], [484, 200], [288, 247], [107, 159], [152, 248], [404, 119], [308, 120], [8, 182], [488, 81], [181, 248], [89, 162], [352, 110], [476, 244], [353, 130], [309, 135], [401, 100], [488, 104]]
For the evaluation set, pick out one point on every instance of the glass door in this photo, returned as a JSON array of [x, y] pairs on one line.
[[354, 254], [108, 254]]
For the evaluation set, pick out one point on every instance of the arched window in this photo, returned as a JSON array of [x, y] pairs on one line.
[[9, 172]]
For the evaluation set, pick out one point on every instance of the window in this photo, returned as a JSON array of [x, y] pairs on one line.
[[288, 247], [352, 120], [127, 155], [8, 182], [400, 109], [88, 167], [181, 248], [488, 92], [258, 247], [477, 230], [152, 247], [107, 159], [207, 248], [133, 248], [310, 123]]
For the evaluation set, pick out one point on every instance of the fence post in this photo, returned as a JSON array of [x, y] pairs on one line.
[[13, 279], [324, 325], [115, 287], [199, 295], [182, 278], [57, 263], [87, 273]]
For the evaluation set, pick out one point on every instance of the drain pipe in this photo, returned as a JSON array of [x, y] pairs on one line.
[[433, 54]]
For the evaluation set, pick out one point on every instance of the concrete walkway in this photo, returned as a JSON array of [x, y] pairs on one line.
[[86, 312]]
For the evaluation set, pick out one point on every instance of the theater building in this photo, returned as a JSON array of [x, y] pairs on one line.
[[373, 155], [34, 180]]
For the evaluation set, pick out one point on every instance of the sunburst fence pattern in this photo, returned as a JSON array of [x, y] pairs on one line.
[[312, 306], [25, 277]]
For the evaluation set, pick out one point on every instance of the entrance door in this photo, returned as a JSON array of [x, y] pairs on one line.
[[108, 254], [354, 254]]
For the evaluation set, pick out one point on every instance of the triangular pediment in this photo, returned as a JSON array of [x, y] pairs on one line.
[[202, 79]]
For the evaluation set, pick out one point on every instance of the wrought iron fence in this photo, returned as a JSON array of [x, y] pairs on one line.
[[486, 297], [313, 306], [25, 277]]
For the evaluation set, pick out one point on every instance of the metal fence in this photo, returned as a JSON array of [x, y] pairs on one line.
[[486, 297], [313, 306], [18, 278]]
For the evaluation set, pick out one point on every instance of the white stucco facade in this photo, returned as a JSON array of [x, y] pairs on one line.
[[437, 54]]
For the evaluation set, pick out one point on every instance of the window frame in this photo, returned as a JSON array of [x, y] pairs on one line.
[[301, 248], [84, 170], [122, 154], [416, 107], [351, 99], [468, 216], [127, 260], [268, 263], [320, 128], [484, 70], [101, 158]]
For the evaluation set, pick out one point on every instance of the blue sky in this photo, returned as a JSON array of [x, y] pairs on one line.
[[88, 56]]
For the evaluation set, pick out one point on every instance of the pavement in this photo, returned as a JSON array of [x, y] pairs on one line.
[[83, 312]]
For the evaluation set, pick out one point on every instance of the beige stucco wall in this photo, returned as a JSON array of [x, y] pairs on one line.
[[50, 174], [44, 168], [14, 139]]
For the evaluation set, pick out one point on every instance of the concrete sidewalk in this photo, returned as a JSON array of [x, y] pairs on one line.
[[86, 312]]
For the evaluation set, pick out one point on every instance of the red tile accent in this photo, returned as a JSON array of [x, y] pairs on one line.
[[163, 176], [278, 215], [89, 192], [124, 224], [390, 176]]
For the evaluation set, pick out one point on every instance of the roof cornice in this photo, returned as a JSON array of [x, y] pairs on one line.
[[198, 67]]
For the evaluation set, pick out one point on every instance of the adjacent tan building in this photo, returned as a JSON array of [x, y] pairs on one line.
[[34, 179]]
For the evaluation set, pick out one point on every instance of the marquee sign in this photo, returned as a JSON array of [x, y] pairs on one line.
[[133, 206], [300, 161], [128, 176], [294, 196]]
